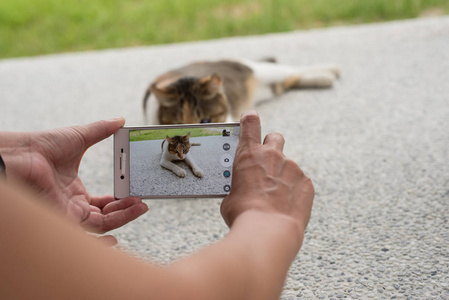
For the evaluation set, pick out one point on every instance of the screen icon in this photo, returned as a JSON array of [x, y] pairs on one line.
[[226, 160], [227, 173], [226, 146], [227, 188]]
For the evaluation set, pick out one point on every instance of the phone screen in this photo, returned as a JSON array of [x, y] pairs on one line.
[[185, 161]]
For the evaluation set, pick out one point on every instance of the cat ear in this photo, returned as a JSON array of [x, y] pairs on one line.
[[168, 139], [164, 95], [211, 85], [187, 136]]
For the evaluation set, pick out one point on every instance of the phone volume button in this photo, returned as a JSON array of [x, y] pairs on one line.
[[123, 163]]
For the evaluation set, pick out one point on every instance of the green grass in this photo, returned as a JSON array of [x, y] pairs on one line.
[[160, 134], [35, 27]]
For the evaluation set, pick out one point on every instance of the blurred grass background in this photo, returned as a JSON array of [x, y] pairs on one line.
[[35, 27], [160, 134]]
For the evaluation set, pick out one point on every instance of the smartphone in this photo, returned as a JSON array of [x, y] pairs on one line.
[[175, 161]]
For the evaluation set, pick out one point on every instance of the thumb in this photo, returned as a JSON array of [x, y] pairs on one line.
[[249, 128], [100, 130]]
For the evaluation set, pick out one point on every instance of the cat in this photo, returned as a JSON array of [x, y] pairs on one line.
[[219, 91], [177, 148]]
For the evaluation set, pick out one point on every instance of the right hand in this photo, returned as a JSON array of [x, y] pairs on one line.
[[264, 180]]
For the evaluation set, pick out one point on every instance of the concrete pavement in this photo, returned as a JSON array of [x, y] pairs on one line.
[[376, 147]]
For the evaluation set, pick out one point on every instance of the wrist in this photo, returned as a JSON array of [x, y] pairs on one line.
[[273, 227]]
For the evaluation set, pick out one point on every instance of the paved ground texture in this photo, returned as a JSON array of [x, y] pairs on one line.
[[376, 147]]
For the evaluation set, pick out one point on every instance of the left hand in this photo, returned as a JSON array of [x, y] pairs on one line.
[[48, 162]]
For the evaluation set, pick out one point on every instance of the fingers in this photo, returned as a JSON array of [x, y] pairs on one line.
[[250, 132], [121, 204], [115, 214], [95, 209], [249, 128], [108, 240], [275, 140], [119, 218], [100, 130], [102, 201], [110, 202]]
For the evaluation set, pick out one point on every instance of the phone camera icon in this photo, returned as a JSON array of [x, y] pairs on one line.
[[227, 173], [226, 146], [226, 160], [227, 188]]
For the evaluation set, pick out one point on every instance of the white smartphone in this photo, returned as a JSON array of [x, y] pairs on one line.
[[175, 161]]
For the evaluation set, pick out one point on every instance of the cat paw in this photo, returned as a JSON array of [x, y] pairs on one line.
[[334, 69], [181, 173], [318, 79], [198, 173]]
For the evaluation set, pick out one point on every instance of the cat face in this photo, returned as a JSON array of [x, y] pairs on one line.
[[192, 100], [178, 145]]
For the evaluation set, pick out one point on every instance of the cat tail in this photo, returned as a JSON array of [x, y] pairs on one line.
[[195, 144], [144, 104]]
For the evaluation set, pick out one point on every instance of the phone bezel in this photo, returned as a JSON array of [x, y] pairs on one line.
[[121, 157]]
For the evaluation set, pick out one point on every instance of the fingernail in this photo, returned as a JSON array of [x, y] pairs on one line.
[[249, 112]]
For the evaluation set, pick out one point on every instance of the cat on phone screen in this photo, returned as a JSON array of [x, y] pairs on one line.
[[219, 91], [177, 148]]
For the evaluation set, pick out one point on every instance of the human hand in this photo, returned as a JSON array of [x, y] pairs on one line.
[[264, 180], [48, 162]]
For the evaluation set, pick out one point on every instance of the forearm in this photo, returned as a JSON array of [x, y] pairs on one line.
[[45, 257], [250, 263]]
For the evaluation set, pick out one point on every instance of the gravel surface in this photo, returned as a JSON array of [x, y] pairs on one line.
[[376, 147]]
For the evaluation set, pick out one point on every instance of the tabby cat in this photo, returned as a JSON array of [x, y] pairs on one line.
[[219, 91], [177, 148]]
